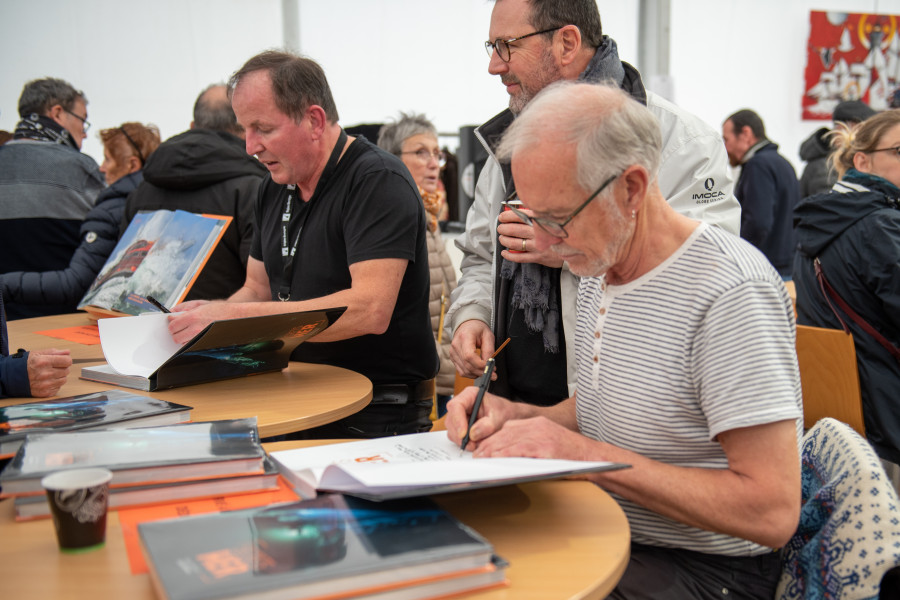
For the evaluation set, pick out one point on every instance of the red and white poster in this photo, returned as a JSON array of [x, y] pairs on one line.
[[850, 56]]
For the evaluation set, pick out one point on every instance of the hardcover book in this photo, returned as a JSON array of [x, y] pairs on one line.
[[332, 546], [141, 353], [160, 254], [183, 452], [35, 507], [410, 465], [106, 409]]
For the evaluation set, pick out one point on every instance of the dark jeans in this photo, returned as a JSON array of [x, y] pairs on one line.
[[666, 573], [374, 421]]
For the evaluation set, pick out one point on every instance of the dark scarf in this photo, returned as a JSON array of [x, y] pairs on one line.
[[875, 183], [45, 129], [535, 288]]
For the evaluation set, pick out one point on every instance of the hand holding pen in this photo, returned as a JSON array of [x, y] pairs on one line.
[[483, 381], [157, 304]]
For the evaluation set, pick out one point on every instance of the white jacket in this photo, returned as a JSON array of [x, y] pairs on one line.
[[693, 176]]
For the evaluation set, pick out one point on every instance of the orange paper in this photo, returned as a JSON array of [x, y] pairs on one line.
[[87, 335], [130, 517]]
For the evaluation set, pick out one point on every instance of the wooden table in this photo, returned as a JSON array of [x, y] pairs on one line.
[[300, 397], [563, 539]]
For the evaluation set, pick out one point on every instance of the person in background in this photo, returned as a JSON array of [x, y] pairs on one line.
[[38, 374], [817, 177], [673, 378], [854, 233], [125, 150], [337, 223], [47, 186], [205, 170], [507, 289], [767, 188], [414, 139]]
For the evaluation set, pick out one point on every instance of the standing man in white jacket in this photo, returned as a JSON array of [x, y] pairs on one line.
[[509, 288]]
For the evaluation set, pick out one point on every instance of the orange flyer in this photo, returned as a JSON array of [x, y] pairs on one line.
[[88, 335], [130, 518]]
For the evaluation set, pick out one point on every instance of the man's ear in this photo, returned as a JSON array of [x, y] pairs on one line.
[[317, 119], [56, 113], [637, 182], [569, 44]]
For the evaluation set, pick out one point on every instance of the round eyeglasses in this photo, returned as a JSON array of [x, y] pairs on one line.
[[502, 46], [426, 155]]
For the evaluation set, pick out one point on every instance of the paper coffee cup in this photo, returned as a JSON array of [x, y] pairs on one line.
[[78, 503]]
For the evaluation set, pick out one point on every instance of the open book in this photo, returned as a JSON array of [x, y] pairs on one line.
[[417, 464], [160, 254], [141, 353]]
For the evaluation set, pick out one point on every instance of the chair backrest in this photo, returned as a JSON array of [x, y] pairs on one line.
[[829, 377], [849, 531], [461, 383]]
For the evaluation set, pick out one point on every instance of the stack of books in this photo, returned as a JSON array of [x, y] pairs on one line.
[[110, 409], [150, 465], [332, 547]]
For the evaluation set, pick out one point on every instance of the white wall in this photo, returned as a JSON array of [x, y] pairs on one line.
[[146, 61]]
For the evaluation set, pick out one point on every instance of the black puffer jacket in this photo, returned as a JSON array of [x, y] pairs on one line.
[[205, 171], [99, 233], [817, 178], [855, 232]]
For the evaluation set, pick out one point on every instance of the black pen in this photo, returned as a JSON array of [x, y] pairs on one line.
[[485, 381], [157, 304]]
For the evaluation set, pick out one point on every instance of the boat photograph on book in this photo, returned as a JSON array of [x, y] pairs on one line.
[[160, 254]]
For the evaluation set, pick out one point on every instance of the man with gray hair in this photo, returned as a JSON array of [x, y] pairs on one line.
[[47, 185], [508, 289], [205, 170], [673, 378]]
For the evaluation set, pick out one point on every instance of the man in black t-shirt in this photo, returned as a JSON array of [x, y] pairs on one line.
[[338, 222]]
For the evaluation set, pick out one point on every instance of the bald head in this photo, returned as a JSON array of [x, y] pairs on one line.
[[212, 110]]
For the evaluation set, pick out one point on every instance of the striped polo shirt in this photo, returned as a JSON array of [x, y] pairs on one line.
[[702, 344]]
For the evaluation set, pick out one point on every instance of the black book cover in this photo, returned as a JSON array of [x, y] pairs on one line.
[[228, 349], [182, 452], [109, 408], [332, 544]]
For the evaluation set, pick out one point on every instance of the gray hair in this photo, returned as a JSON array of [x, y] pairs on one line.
[[40, 95], [611, 131], [215, 113], [393, 134]]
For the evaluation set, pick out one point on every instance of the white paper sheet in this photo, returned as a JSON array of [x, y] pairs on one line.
[[137, 345]]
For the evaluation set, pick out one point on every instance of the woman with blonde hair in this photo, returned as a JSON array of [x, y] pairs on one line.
[[846, 267], [125, 149], [414, 139]]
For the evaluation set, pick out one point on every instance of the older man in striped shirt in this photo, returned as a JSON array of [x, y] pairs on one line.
[[685, 349]]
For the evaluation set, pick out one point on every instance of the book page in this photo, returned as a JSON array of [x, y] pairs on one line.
[[137, 345]]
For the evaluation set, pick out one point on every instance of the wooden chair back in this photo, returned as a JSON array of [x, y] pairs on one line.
[[461, 383], [829, 377]]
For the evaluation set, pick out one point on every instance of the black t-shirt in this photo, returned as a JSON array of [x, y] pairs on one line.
[[368, 208]]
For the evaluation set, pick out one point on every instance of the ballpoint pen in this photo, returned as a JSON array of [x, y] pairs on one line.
[[157, 304], [483, 382]]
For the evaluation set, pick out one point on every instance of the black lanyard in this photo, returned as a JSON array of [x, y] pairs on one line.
[[287, 254]]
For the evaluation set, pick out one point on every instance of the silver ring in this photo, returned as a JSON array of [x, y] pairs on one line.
[[523, 246]]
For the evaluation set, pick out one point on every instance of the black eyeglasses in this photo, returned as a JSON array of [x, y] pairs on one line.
[[425, 156], [84, 121], [502, 46], [894, 149], [553, 228]]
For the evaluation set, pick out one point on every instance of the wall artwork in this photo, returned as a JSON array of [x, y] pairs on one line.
[[850, 56]]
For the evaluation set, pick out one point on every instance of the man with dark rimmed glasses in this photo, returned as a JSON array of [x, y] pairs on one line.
[[47, 186], [510, 289]]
